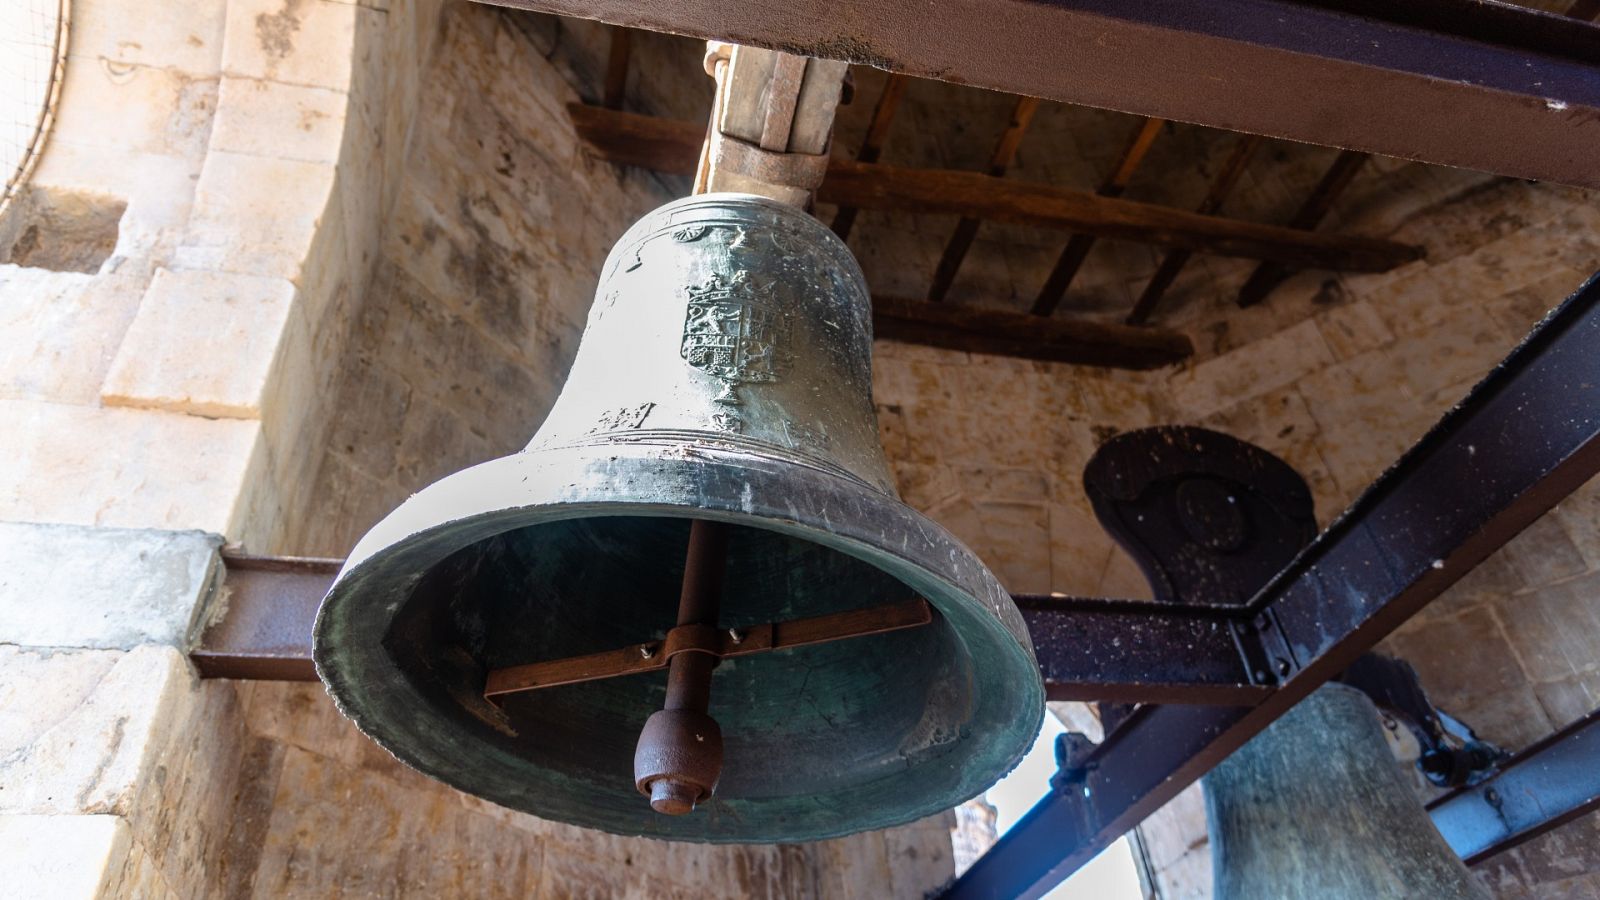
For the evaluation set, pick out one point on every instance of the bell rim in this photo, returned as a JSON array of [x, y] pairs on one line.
[[394, 537]]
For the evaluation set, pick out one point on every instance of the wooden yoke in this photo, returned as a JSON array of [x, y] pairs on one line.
[[770, 124]]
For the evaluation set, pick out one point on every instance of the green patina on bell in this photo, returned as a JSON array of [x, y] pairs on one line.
[[724, 376]]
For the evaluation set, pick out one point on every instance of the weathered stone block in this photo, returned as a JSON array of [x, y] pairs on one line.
[[202, 343], [255, 215], [63, 857], [80, 747], [182, 37], [135, 109], [281, 121], [167, 470], [1268, 364], [104, 588], [307, 42], [61, 329]]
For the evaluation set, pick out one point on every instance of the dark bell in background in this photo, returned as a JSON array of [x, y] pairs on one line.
[[513, 628]]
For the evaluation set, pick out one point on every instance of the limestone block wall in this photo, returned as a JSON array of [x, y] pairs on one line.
[[173, 299]]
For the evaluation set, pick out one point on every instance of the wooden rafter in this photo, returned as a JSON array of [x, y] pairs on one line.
[[1272, 273], [1486, 86], [1077, 249], [670, 146], [617, 67], [1005, 150], [1221, 186], [1078, 341], [894, 88]]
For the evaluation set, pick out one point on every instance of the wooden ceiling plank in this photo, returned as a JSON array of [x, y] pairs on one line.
[[1077, 249], [1269, 275], [669, 146], [1005, 150], [1172, 264], [894, 88]]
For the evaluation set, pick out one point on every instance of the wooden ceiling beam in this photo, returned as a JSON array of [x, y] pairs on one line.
[[1269, 275], [1171, 264], [1484, 86], [894, 88], [1018, 334], [1005, 150], [669, 146], [1077, 250]]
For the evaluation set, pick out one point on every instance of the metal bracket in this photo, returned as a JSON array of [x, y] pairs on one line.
[[1265, 650], [652, 656]]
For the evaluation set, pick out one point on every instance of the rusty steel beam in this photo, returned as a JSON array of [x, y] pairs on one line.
[[669, 146], [1485, 86], [1526, 437], [260, 626], [1141, 651], [1541, 788]]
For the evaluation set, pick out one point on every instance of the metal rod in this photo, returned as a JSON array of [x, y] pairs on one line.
[[689, 675], [679, 754]]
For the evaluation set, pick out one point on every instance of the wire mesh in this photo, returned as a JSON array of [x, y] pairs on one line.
[[33, 54]]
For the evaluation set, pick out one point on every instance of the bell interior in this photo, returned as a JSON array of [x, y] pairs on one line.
[[807, 722]]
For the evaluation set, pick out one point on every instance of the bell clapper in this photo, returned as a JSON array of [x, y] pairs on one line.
[[679, 756]]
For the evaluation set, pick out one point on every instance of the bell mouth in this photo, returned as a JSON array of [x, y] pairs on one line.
[[558, 553]]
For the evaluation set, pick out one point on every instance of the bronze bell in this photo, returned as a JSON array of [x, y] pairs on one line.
[[697, 582]]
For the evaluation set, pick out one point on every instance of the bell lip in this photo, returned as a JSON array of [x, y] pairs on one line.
[[502, 495]]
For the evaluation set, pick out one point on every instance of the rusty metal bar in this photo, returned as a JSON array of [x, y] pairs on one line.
[[1523, 439], [1175, 260], [1545, 786], [651, 656], [260, 626], [1005, 150], [1077, 250], [894, 88], [1270, 274], [1132, 651]]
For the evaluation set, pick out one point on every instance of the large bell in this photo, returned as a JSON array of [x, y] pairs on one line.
[[511, 631]]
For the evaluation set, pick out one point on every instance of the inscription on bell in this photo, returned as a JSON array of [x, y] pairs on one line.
[[733, 331], [626, 418]]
